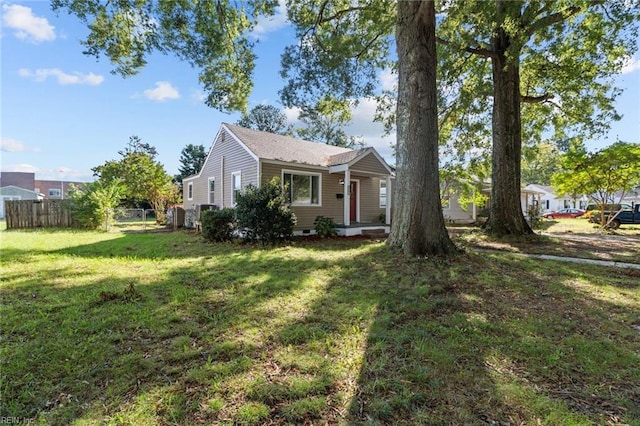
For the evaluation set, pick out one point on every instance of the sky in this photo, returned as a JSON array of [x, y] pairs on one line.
[[63, 113]]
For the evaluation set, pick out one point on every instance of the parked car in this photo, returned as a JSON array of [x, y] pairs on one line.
[[591, 208], [564, 213]]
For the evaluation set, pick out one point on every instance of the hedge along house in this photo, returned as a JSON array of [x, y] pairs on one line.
[[353, 187]]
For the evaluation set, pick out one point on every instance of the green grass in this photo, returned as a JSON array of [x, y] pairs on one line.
[[163, 328]]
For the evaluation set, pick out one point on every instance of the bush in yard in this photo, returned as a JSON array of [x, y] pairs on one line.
[[263, 214], [92, 204], [218, 225], [325, 227]]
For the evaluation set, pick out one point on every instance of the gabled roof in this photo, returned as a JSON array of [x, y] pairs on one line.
[[13, 187], [270, 146]]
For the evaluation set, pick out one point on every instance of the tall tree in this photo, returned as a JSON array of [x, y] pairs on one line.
[[341, 49], [142, 177], [266, 118], [326, 125], [192, 158], [556, 58], [418, 223]]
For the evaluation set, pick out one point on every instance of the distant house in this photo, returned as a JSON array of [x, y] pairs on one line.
[[353, 187], [12, 192], [546, 197], [48, 189]]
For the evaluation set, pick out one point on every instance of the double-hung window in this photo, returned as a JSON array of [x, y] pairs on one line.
[[212, 190], [236, 182], [383, 193], [190, 191], [302, 189]]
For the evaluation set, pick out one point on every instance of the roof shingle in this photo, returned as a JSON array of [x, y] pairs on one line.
[[271, 146]]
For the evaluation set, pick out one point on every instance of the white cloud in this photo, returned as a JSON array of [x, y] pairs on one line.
[[25, 168], [388, 80], [27, 26], [63, 78], [163, 91], [632, 65], [270, 24], [371, 132], [13, 145]]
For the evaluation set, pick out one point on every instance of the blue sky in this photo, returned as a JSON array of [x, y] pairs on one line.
[[63, 113]]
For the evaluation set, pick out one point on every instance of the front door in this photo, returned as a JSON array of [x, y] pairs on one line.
[[353, 200]]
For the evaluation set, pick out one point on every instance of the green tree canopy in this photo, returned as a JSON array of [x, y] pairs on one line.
[[212, 36], [192, 158], [605, 176], [142, 177], [267, 118], [539, 163]]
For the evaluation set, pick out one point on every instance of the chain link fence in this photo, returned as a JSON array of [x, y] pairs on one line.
[[133, 220]]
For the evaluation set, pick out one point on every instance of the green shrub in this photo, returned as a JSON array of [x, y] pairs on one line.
[[218, 225], [92, 204], [325, 227], [263, 214], [533, 214]]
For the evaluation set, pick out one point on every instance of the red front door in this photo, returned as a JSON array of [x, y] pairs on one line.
[[353, 197]]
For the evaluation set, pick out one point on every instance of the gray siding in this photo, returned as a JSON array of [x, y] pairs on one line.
[[332, 206], [369, 164], [370, 200], [226, 156]]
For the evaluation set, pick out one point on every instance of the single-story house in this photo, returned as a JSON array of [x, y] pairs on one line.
[[546, 197], [353, 187], [12, 192]]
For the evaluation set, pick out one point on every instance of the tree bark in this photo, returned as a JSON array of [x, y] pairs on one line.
[[418, 224], [506, 216]]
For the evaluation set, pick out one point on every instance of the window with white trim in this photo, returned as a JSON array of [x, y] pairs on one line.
[[446, 198], [383, 193], [236, 184], [54, 192], [190, 191], [302, 189], [212, 190]]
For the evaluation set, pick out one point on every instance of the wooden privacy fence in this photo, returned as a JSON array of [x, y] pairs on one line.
[[37, 214]]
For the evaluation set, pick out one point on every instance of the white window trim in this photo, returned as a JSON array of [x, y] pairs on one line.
[[57, 190], [233, 188], [190, 191], [209, 190], [301, 173], [446, 196], [386, 194]]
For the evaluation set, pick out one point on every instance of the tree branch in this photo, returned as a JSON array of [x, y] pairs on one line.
[[535, 99], [547, 21], [487, 53]]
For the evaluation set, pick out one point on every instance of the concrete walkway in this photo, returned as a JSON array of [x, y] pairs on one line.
[[609, 263]]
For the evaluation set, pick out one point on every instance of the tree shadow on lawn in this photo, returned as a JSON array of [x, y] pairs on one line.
[[130, 347], [475, 341], [258, 336]]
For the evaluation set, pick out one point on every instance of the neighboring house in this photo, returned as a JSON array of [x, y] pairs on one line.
[[12, 192], [49, 189], [353, 187], [546, 198], [630, 197], [454, 212]]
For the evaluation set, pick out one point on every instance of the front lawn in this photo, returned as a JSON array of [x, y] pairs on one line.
[[163, 328]]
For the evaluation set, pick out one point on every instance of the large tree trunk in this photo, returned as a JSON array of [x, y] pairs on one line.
[[505, 216], [418, 225]]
